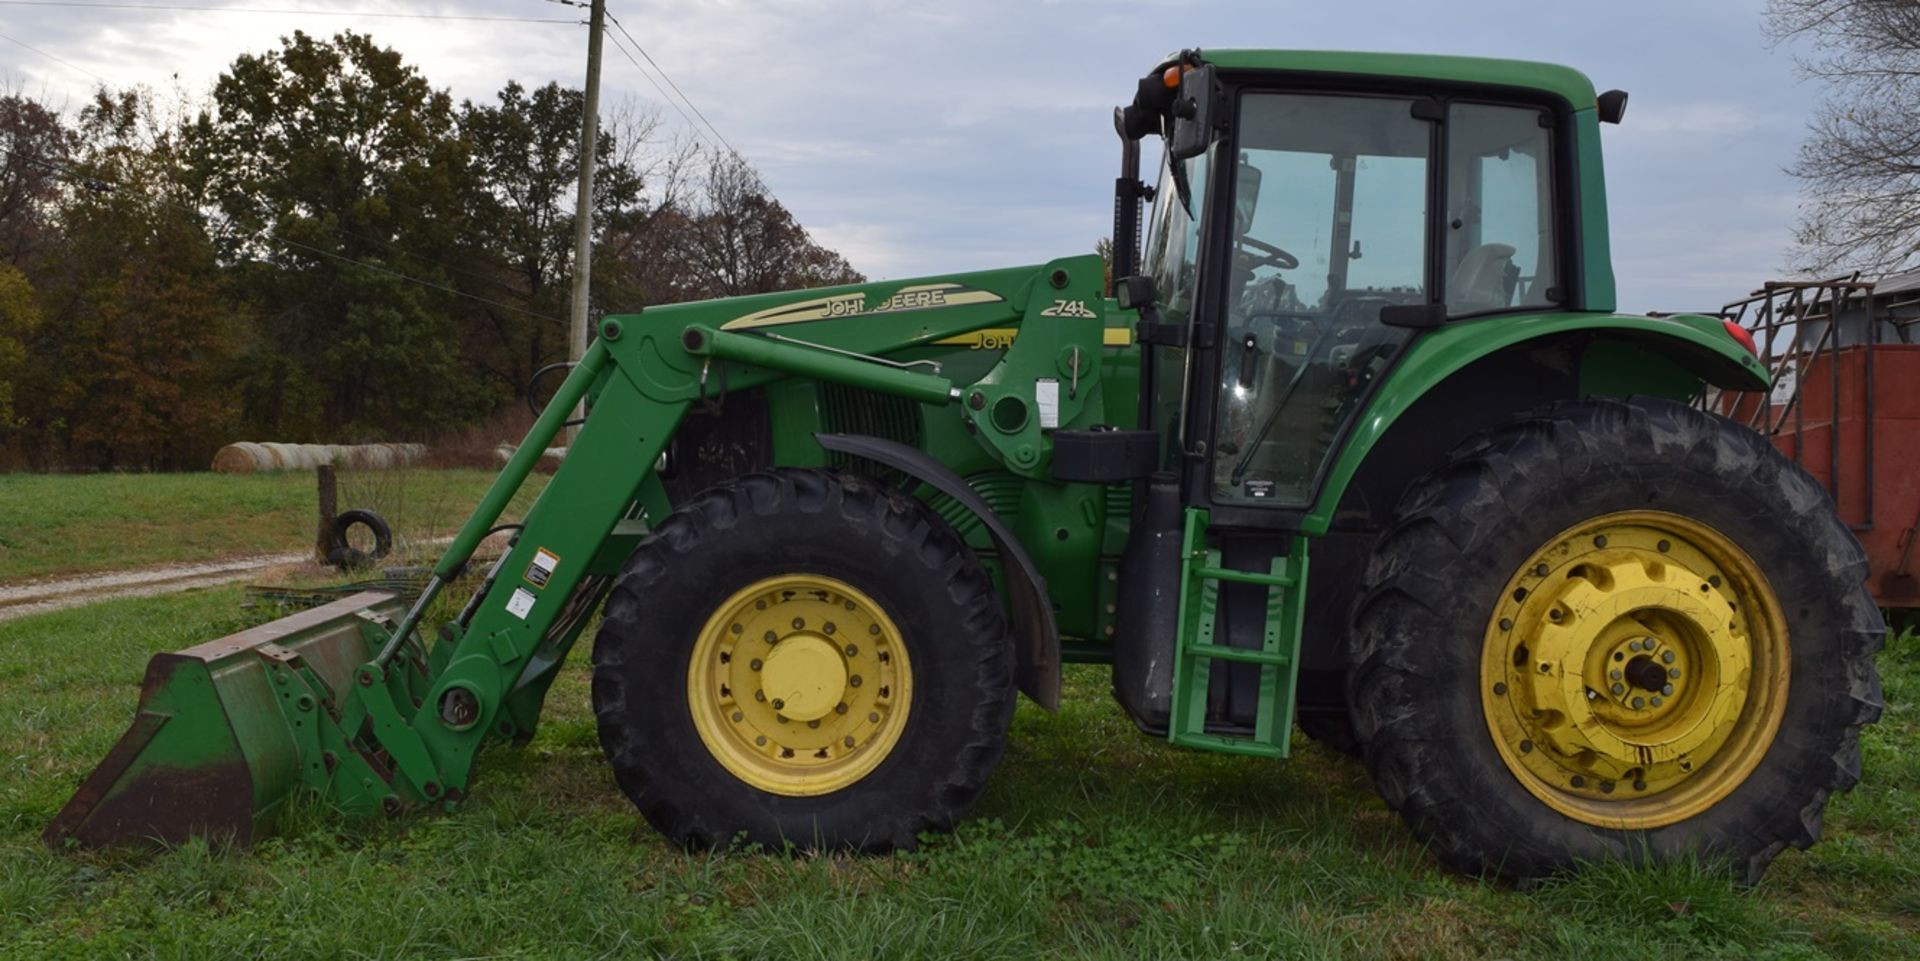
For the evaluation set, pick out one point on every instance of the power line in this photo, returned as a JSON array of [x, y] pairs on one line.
[[617, 45], [71, 66], [669, 79], [299, 11]]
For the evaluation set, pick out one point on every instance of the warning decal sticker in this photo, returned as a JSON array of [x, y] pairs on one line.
[[520, 603], [541, 570]]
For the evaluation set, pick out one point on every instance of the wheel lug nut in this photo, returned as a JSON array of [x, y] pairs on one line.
[[1666, 689], [770, 637], [1656, 700], [828, 627], [840, 708], [1639, 702], [813, 724], [852, 650], [848, 741], [759, 695], [1639, 785], [1667, 657], [755, 664], [854, 680], [1615, 674], [1619, 689], [779, 704], [873, 628], [799, 623], [1673, 672]]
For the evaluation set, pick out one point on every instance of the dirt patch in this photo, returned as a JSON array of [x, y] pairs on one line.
[[58, 593]]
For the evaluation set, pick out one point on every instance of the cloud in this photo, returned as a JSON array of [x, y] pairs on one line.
[[924, 137]]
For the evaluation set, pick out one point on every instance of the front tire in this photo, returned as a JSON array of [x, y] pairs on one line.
[[805, 658], [1620, 630]]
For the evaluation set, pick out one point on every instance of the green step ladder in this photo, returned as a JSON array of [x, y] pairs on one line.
[[1278, 654]]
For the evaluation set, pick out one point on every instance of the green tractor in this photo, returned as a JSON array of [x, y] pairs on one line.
[[1352, 437]]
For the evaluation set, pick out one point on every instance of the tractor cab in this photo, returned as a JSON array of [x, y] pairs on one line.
[[1304, 235], [1306, 227]]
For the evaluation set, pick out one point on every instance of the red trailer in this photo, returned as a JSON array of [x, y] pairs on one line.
[[1845, 359]]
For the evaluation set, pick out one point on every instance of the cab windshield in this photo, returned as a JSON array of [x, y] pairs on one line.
[[1173, 240], [1172, 259]]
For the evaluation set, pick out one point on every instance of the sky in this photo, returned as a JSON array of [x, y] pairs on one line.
[[923, 137]]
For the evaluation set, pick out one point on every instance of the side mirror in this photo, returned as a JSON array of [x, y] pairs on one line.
[[1613, 106], [1193, 126]]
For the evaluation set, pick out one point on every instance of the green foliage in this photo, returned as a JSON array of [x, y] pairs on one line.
[[336, 166], [327, 249], [19, 317]]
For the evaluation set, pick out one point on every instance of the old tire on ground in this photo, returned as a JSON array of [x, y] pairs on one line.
[[803, 657], [1642, 537], [344, 554]]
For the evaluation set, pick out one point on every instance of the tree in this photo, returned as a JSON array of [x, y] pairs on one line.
[[19, 317], [525, 157], [1860, 164], [341, 184], [737, 239], [34, 148], [136, 370]]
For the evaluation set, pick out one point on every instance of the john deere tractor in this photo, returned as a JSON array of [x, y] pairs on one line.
[[1352, 438]]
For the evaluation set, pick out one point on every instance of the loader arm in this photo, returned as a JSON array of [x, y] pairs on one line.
[[403, 728]]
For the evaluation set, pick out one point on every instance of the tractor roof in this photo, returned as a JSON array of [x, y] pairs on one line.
[[1565, 82]]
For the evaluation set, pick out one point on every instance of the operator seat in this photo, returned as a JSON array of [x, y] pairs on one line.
[[1483, 280]]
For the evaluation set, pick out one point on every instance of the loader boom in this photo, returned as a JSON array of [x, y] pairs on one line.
[[410, 719]]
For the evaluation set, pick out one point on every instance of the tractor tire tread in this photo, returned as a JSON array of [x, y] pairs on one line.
[[1452, 519], [712, 809]]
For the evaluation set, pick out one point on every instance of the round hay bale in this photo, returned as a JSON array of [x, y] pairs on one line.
[[243, 457]]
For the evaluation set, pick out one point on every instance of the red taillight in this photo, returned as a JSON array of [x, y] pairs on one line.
[[1740, 334]]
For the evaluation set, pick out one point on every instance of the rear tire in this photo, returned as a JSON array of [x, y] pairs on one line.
[[690, 708], [1483, 758]]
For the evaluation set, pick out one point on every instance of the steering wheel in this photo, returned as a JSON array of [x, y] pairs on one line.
[[1271, 256]]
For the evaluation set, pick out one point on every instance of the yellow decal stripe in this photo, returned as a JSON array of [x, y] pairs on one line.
[[999, 338]]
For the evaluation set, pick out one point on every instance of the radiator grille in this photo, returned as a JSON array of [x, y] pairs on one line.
[[852, 410]]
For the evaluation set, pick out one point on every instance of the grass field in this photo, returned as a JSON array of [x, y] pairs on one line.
[[1090, 841], [81, 523]]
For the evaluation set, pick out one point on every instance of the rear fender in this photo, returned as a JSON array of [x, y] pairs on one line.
[[1644, 355]]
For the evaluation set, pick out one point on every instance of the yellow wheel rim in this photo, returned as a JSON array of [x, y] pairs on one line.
[[1635, 670], [799, 684]]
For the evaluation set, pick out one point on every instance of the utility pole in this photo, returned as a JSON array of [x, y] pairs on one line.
[[583, 210]]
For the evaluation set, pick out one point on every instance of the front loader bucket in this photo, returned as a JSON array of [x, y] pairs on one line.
[[225, 733]]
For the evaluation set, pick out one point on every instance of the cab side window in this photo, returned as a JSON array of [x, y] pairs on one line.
[[1501, 235]]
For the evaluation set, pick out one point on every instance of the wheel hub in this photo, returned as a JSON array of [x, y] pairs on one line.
[[799, 684], [1635, 656], [804, 677]]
